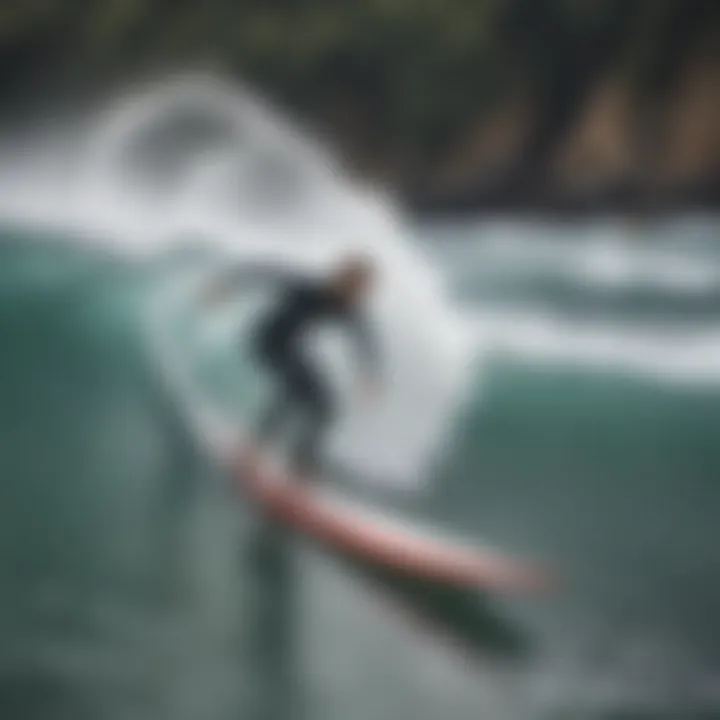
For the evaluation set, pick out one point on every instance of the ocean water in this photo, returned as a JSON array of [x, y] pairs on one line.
[[136, 585], [553, 390]]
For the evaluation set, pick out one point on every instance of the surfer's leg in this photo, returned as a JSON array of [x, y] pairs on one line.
[[312, 397], [271, 420], [275, 416]]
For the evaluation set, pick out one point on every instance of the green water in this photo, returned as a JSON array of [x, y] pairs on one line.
[[135, 586]]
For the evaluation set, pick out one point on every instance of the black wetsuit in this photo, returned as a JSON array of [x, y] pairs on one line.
[[302, 390]]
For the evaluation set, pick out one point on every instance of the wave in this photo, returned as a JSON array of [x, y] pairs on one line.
[[193, 165], [680, 257], [680, 354]]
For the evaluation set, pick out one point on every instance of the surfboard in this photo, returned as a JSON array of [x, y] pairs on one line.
[[376, 540]]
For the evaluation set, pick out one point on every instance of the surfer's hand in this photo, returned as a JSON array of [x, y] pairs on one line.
[[212, 294]]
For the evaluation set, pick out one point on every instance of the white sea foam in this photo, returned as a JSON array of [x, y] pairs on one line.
[[674, 354], [610, 255]]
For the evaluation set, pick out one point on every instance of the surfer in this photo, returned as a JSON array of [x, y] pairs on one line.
[[302, 390]]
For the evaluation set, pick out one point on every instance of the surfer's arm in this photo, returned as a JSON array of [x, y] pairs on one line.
[[249, 276]]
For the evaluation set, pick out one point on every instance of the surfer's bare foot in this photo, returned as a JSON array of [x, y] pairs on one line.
[[306, 479]]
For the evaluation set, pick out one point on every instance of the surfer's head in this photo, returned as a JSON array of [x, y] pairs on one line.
[[353, 278]]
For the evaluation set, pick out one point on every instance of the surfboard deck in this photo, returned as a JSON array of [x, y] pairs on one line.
[[360, 533]]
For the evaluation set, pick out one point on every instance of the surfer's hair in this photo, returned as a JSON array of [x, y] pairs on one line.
[[353, 275], [357, 265]]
